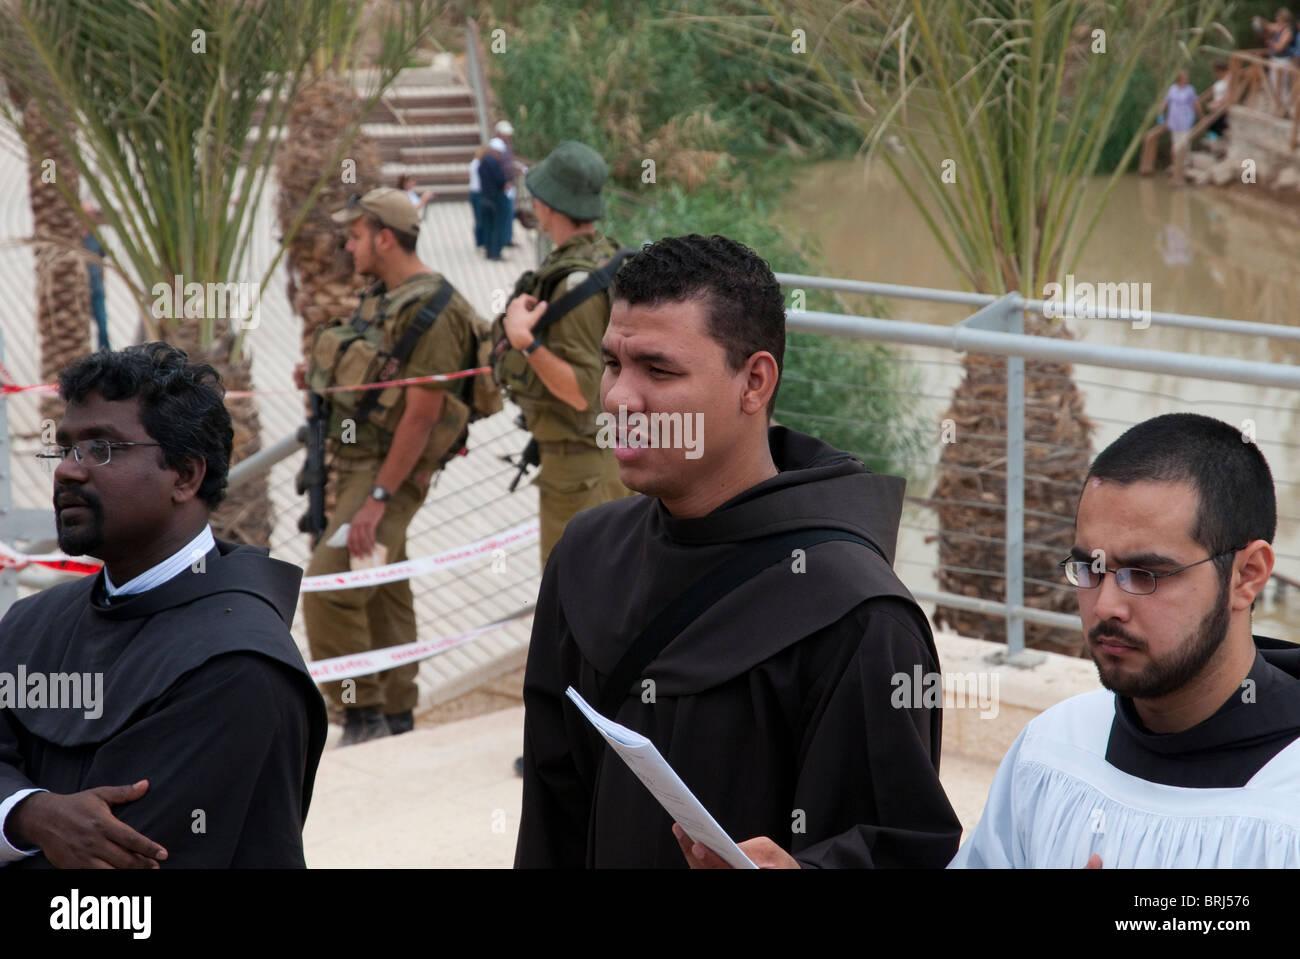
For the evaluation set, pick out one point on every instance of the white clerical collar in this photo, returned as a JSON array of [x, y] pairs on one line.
[[184, 557]]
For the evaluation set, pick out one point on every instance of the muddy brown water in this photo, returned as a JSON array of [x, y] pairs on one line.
[[1204, 251]]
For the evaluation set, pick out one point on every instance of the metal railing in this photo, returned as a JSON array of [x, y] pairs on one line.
[[477, 85], [997, 327]]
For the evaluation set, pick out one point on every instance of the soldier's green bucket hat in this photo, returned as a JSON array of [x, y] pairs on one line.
[[570, 180]]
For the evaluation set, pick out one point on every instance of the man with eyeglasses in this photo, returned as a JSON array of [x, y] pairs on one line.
[[157, 712], [1190, 756]]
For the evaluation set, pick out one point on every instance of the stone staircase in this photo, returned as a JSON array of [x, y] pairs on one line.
[[427, 125]]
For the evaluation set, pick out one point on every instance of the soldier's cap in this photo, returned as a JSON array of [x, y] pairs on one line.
[[393, 208], [570, 180]]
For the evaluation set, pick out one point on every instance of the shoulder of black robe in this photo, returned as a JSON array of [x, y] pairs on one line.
[[818, 487], [813, 624], [239, 600], [1226, 750]]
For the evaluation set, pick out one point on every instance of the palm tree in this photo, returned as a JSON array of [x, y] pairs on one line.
[[1001, 108], [174, 109], [323, 123], [62, 283]]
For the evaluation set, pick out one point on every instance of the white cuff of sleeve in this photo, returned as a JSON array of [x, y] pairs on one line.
[[7, 851]]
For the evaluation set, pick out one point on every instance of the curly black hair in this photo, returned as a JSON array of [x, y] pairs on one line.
[[746, 310], [182, 405]]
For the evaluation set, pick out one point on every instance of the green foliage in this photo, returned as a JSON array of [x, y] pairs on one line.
[[613, 75], [1003, 107], [1142, 91], [161, 99]]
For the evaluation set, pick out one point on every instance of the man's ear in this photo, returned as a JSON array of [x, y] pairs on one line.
[[189, 477], [761, 377], [1254, 567]]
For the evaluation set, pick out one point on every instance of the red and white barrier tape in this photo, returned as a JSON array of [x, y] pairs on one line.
[[12, 559], [363, 664], [515, 536], [10, 387], [393, 572]]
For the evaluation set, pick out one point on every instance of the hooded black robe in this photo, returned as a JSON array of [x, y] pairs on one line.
[[204, 694], [773, 706]]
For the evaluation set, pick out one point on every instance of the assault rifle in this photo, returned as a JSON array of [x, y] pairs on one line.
[[311, 479]]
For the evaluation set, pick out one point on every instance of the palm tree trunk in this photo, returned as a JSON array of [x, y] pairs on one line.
[[246, 515], [322, 283], [62, 281], [970, 496]]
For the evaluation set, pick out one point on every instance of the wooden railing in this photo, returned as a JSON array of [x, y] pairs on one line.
[[1252, 77]]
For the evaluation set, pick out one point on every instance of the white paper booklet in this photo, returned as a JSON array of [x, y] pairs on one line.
[[665, 785]]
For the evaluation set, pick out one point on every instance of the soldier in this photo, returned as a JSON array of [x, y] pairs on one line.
[[386, 445], [548, 341]]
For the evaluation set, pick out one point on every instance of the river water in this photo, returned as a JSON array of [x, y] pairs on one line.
[[1203, 251]]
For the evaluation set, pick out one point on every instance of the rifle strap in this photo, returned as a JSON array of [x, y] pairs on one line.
[[595, 282], [402, 352]]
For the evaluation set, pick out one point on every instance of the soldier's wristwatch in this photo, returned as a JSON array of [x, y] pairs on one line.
[[381, 494], [531, 348]]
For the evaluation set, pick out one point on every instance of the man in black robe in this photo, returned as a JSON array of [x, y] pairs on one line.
[[774, 703], [158, 711]]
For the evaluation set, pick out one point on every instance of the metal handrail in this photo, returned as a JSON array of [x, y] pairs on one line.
[[1210, 324], [477, 84]]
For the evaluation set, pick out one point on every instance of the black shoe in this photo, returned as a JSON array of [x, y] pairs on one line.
[[519, 766], [399, 723], [362, 724]]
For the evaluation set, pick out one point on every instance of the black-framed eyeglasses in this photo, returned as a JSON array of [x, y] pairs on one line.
[[1139, 582], [87, 453]]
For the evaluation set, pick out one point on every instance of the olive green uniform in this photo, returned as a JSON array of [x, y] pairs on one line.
[[575, 473], [346, 621]]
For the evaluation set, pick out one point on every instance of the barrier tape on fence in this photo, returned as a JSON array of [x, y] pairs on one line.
[[519, 535], [11, 387], [363, 664], [11, 558], [515, 536]]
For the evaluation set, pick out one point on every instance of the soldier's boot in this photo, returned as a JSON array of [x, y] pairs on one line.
[[399, 723], [361, 724]]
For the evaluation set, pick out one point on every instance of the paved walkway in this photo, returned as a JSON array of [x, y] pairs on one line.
[[448, 796]]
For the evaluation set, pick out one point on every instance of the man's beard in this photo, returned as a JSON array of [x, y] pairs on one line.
[[1162, 677], [88, 538]]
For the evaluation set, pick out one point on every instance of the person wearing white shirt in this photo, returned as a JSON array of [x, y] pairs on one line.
[[1190, 756]]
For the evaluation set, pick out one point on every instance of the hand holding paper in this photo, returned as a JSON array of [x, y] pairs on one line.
[[665, 785]]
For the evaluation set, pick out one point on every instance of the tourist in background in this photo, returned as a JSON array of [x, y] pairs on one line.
[[1181, 111], [476, 197], [505, 133], [492, 177]]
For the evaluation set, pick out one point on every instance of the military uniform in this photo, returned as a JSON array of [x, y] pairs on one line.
[[575, 473], [346, 621]]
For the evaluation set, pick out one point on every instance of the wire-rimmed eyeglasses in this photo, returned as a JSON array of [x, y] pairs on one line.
[[1139, 582], [87, 453]]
